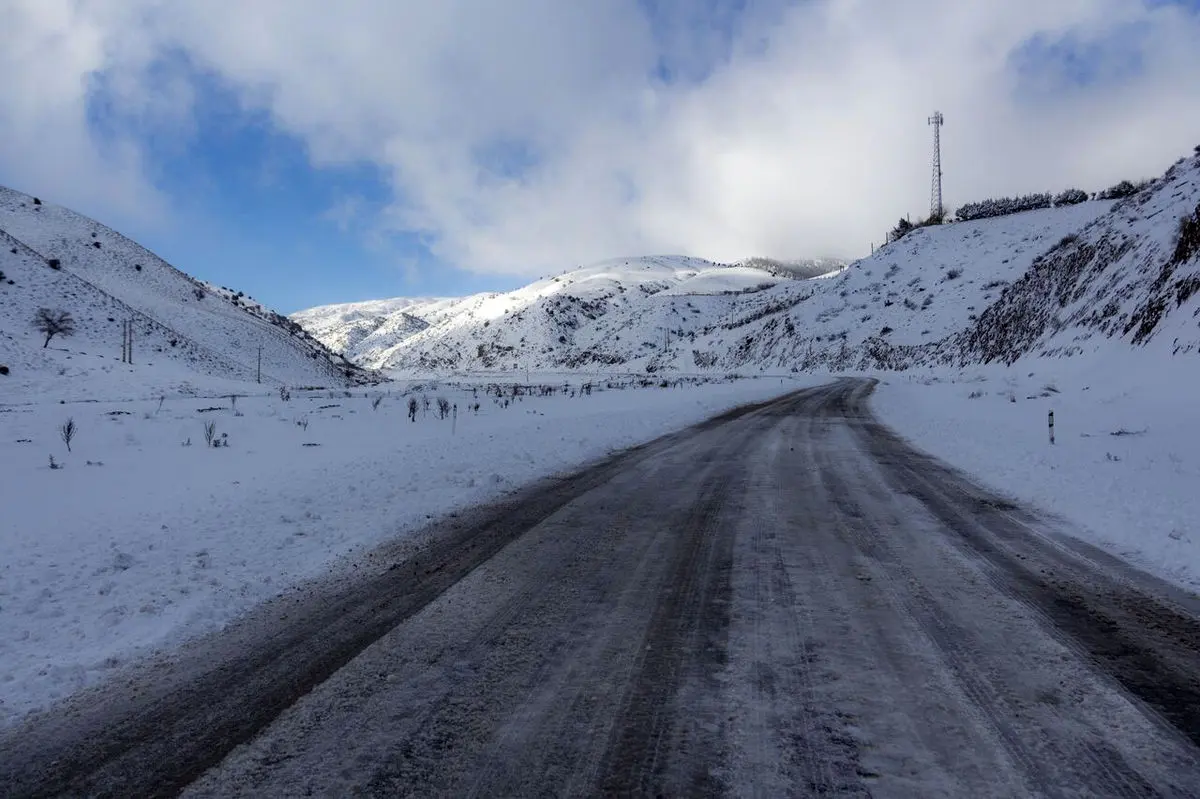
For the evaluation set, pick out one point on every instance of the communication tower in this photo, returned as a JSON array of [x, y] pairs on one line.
[[935, 200]]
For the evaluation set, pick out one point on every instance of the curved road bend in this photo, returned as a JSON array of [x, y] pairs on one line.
[[787, 600]]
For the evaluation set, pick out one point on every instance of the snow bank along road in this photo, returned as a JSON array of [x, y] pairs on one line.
[[784, 600]]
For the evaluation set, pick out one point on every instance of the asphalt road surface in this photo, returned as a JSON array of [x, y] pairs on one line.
[[787, 600]]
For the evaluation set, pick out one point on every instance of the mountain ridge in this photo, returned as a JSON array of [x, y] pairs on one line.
[[565, 306]]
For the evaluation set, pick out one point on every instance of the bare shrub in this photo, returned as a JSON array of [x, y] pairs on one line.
[[51, 323], [67, 432], [210, 433], [443, 405], [376, 402]]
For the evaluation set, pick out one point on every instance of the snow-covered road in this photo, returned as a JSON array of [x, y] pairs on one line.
[[785, 600]]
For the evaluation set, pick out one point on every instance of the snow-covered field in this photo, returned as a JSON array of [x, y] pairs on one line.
[[147, 536], [1125, 465]]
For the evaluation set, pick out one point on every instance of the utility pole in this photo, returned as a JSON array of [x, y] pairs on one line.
[[127, 341], [259, 376], [936, 210]]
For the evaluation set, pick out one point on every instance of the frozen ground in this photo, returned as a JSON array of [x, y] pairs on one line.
[[1125, 467], [142, 539]]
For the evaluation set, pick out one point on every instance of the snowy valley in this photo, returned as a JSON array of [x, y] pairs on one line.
[[976, 330]]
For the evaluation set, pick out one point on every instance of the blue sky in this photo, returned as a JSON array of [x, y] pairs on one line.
[[403, 148], [248, 210]]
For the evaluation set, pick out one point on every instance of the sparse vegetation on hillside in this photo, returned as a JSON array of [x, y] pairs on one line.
[[1002, 206], [1187, 243], [1120, 190], [1070, 197], [904, 227]]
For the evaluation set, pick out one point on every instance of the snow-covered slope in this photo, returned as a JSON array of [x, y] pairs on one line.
[[613, 313], [1056, 281], [343, 326], [1133, 275], [895, 306], [54, 258], [687, 315]]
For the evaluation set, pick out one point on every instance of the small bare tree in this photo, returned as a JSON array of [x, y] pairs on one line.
[[210, 432], [68, 431], [443, 407], [51, 323], [375, 402]]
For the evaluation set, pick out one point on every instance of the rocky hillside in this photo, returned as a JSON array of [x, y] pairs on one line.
[[1132, 275], [54, 258]]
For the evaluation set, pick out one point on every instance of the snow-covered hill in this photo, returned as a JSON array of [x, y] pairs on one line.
[[342, 327], [687, 315], [894, 308], [1056, 281], [1133, 275], [54, 258], [1100, 278], [612, 313]]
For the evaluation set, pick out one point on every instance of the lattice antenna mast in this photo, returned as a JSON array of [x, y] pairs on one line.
[[935, 200]]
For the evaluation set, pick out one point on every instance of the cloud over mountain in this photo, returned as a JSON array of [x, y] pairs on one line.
[[516, 137]]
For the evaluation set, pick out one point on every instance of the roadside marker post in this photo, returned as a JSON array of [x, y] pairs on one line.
[[1051, 427]]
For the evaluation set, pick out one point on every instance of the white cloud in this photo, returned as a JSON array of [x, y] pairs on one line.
[[50, 53], [795, 129]]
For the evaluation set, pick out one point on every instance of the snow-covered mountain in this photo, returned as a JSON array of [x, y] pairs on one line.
[[1055, 281], [343, 327], [54, 258], [688, 315], [609, 313]]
